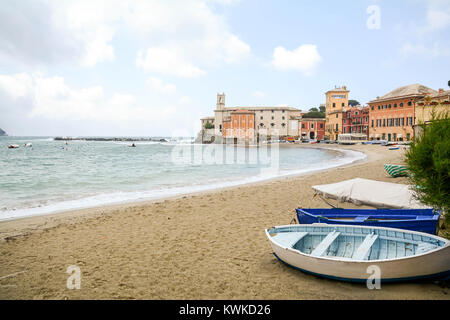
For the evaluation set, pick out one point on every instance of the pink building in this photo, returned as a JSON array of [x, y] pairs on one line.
[[356, 120]]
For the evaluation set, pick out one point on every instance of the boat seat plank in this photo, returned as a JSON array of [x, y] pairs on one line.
[[289, 239], [362, 253], [325, 244], [361, 218]]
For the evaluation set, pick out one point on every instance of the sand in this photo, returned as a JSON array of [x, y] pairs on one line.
[[203, 246]]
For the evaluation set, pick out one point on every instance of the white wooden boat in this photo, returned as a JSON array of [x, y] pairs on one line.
[[346, 252]]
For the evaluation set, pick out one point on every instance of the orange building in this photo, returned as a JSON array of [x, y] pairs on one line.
[[336, 104], [240, 126], [392, 116], [312, 128]]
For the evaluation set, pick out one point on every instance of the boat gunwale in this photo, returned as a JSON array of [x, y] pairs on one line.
[[434, 217], [446, 243]]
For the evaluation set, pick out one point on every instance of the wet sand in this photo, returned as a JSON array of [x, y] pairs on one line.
[[203, 246]]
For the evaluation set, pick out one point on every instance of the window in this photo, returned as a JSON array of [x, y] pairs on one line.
[[345, 121], [262, 117], [272, 111], [303, 126], [334, 105], [409, 104], [282, 118], [336, 115], [312, 125], [378, 107], [283, 111], [372, 123], [283, 125], [402, 121], [321, 126], [401, 104], [372, 108], [272, 117], [384, 122], [337, 128], [261, 124], [272, 124], [395, 105], [343, 104]]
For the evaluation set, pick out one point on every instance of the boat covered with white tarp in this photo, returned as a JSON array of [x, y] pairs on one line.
[[372, 193]]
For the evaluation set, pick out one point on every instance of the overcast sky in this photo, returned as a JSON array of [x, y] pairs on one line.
[[154, 67]]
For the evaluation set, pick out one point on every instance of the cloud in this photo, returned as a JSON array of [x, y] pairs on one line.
[[159, 86], [183, 37], [82, 32], [427, 38], [52, 98], [168, 62], [304, 59]]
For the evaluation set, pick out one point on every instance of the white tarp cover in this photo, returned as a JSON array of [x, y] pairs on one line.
[[370, 192]]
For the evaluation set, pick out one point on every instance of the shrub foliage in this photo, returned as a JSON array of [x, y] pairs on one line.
[[428, 160]]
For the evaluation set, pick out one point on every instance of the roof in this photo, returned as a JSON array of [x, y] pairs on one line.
[[406, 91], [208, 118], [253, 108], [339, 89]]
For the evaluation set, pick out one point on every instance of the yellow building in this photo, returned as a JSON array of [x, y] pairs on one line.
[[435, 103], [336, 104]]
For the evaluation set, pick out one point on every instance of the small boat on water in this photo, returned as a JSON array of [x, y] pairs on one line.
[[421, 220], [13, 146], [396, 170], [394, 148], [348, 253]]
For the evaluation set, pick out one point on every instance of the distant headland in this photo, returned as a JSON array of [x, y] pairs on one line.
[[2, 133]]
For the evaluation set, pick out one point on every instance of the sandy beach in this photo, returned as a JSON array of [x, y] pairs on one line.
[[202, 246]]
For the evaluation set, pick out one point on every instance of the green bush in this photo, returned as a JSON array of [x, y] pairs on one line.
[[428, 160], [209, 125]]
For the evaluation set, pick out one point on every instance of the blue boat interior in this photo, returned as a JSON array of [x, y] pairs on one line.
[[353, 243], [361, 215]]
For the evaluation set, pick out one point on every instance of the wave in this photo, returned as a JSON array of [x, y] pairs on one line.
[[348, 157]]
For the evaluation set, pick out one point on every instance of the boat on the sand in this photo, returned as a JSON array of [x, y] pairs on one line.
[[351, 253]]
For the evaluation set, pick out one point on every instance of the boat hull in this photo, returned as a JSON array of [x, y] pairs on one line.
[[432, 265], [428, 221]]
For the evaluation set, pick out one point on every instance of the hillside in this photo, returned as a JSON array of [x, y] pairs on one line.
[[2, 133]]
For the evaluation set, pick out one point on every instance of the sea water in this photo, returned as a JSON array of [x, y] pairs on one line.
[[53, 176]]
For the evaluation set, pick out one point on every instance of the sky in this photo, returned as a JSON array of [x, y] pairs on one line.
[[154, 67]]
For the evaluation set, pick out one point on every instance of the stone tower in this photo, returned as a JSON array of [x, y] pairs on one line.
[[220, 101]]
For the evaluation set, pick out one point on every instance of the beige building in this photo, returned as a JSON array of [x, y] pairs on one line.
[[268, 121], [336, 104], [435, 103]]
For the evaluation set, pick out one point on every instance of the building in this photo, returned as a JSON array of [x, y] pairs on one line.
[[391, 116], [312, 128], [234, 123], [435, 103], [336, 104], [207, 122], [356, 120], [240, 126]]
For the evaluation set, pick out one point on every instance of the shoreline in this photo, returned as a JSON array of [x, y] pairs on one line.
[[204, 246], [186, 192]]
